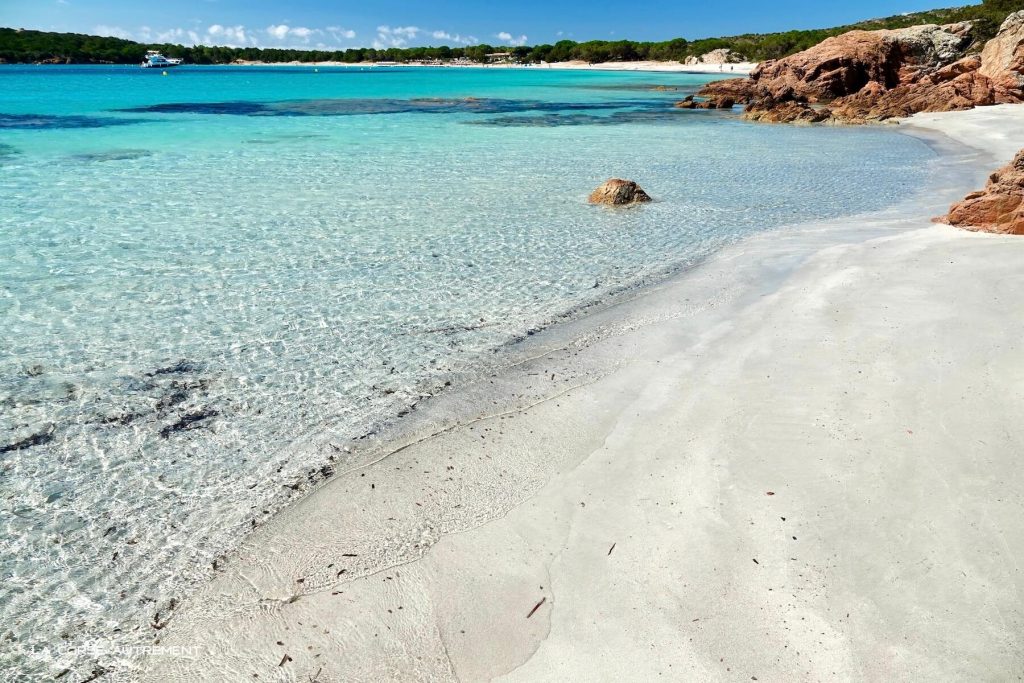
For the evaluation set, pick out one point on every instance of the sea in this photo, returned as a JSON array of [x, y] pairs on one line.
[[211, 277]]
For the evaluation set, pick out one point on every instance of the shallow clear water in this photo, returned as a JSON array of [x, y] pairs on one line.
[[207, 277]]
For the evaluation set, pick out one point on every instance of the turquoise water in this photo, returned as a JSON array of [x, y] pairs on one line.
[[210, 277]]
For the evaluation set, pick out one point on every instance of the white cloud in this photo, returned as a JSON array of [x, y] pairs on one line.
[[174, 35], [279, 32], [282, 32], [456, 38], [398, 36], [230, 36], [339, 33], [512, 40], [112, 31]]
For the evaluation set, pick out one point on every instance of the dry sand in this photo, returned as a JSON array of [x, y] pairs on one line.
[[798, 461], [740, 69]]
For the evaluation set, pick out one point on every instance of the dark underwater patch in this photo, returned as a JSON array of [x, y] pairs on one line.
[[631, 87], [553, 120], [112, 155], [8, 153], [232, 108], [284, 137], [47, 121], [355, 107], [37, 439]]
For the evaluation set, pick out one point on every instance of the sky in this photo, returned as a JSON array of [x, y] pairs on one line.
[[338, 24]]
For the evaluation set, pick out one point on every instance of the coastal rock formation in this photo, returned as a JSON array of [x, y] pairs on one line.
[[843, 65], [739, 90], [618, 192], [864, 76], [769, 111], [720, 56], [1002, 60], [722, 102], [954, 87], [999, 207]]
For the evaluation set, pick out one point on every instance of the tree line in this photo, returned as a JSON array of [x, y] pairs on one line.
[[27, 46]]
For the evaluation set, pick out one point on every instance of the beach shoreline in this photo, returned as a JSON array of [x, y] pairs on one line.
[[768, 454]]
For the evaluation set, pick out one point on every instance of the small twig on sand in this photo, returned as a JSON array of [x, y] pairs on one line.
[[611, 549], [536, 607], [285, 660]]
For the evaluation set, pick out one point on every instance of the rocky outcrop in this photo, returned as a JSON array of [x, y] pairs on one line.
[[864, 76], [739, 90], [843, 65], [720, 56], [954, 87], [1002, 60], [768, 111], [999, 207], [723, 102], [617, 191]]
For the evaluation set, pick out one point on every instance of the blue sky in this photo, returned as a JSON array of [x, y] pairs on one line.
[[385, 23]]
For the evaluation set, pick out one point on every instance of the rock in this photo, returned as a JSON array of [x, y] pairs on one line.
[[786, 112], [723, 102], [954, 87], [618, 192], [740, 90], [999, 208], [717, 103], [721, 56], [1002, 60], [867, 76], [844, 64]]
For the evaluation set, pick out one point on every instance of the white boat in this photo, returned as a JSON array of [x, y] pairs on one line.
[[155, 60]]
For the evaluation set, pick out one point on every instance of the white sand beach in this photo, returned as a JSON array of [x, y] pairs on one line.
[[798, 461], [740, 68]]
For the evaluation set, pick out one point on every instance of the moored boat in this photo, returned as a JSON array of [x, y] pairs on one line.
[[155, 60]]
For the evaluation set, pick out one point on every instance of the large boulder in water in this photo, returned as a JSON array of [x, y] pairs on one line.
[[617, 191], [999, 207]]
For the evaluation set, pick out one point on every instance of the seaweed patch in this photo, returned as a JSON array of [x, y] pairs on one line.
[[188, 421], [47, 121], [113, 155], [37, 439], [364, 106]]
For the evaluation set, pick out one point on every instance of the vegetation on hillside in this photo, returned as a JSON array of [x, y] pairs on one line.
[[25, 46]]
